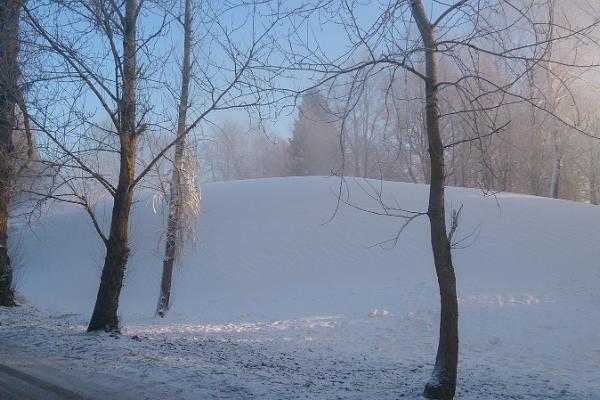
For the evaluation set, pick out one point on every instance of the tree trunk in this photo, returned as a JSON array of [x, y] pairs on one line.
[[593, 175], [442, 384], [553, 108], [555, 178], [173, 241], [9, 76], [104, 316]]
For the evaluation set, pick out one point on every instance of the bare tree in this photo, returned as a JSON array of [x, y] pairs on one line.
[[443, 382], [116, 56], [236, 150], [176, 201], [464, 103], [10, 11], [126, 114]]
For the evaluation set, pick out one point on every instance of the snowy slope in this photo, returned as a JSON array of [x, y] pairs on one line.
[[270, 274]]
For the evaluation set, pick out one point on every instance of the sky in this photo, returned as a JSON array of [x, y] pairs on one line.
[[330, 38]]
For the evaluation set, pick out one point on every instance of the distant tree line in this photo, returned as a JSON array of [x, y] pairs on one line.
[[383, 138]]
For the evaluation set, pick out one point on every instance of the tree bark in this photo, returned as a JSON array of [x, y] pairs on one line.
[[553, 108], [173, 241], [593, 176], [442, 384], [556, 164], [9, 93], [104, 316], [554, 136]]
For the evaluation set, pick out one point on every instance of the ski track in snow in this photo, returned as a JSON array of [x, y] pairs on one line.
[[275, 305]]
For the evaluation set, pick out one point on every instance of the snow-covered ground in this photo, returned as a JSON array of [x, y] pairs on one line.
[[275, 304]]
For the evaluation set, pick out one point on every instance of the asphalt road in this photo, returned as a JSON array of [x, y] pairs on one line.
[[26, 375], [19, 385]]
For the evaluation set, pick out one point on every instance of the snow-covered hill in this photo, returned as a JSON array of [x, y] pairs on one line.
[[277, 303]]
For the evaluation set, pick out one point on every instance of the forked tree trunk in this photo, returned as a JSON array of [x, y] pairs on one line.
[[104, 316], [9, 76], [442, 384], [173, 239]]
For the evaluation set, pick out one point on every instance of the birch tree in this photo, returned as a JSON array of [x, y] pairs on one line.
[[178, 200]]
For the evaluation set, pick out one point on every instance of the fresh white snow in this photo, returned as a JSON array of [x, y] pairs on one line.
[[275, 303]]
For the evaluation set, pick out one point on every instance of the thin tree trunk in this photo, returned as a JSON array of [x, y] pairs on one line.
[[442, 384], [593, 176], [173, 240], [556, 161], [553, 107], [9, 76], [354, 146], [365, 137], [104, 316]]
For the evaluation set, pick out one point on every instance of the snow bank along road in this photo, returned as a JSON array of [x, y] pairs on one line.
[[274, 304]]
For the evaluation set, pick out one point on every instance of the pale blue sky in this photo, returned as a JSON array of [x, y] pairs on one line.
[[331, 39]]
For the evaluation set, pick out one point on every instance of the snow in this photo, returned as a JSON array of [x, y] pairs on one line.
[[275, 303]]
